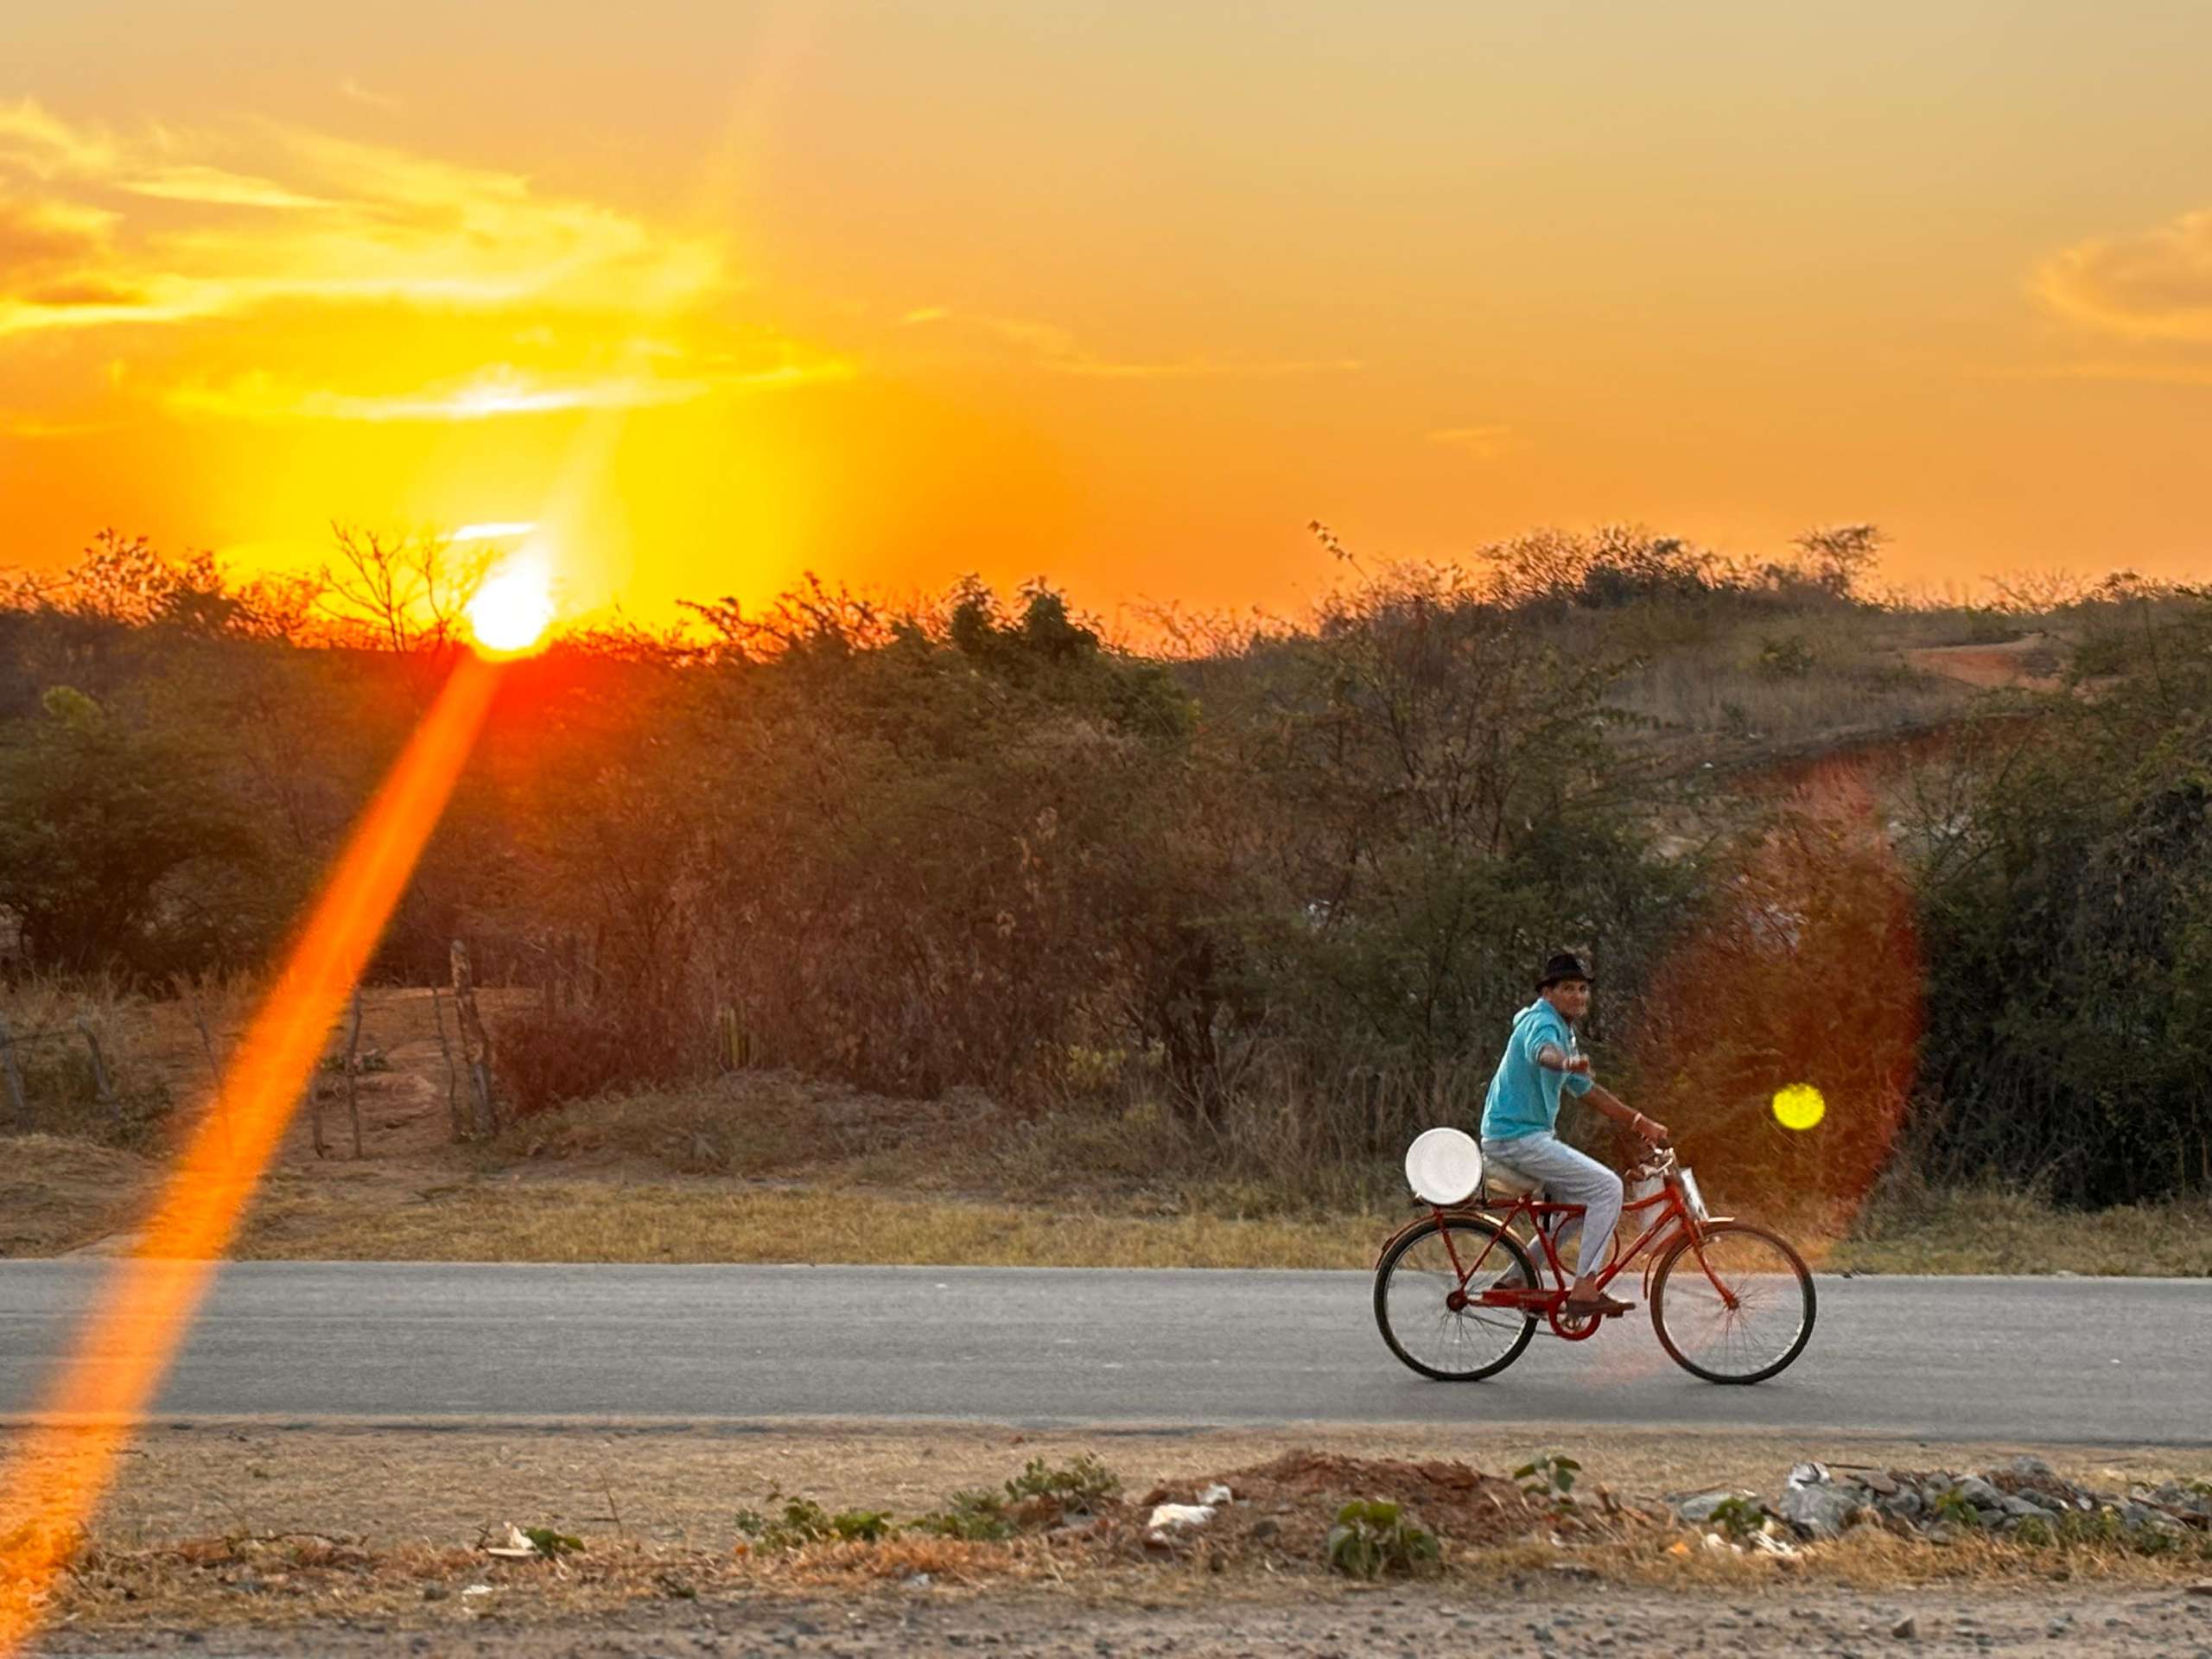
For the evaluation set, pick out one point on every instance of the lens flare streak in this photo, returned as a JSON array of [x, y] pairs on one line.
[[145, 1309]]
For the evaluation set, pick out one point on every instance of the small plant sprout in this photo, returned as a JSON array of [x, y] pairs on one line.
[[1373, 1537], [1550, 1475]]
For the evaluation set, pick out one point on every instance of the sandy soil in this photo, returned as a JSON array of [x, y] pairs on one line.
[[2029, 662], [1503, 1619]]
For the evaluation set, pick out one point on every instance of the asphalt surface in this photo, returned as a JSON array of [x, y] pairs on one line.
[[2106, 1360]]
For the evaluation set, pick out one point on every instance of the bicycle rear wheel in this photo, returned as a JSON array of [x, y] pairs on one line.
[[1736, 1306], [1429, 1316]]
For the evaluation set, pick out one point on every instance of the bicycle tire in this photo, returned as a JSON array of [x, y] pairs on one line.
[[1787, 1255], [1479, 1233]]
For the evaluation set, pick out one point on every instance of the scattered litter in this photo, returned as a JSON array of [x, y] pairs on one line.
[[1165, 1516], [1216, 1494], [514, 1546], [477, 1590]]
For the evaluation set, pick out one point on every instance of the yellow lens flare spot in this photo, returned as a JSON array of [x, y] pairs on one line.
[[513, 608], [1799, 1106]]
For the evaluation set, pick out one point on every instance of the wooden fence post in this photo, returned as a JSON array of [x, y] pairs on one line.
[[352, 1089], [101, 1086], [453, 1076], [475, 1045], [12, 1077]]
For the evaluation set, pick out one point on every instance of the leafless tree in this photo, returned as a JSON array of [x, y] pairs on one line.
[[404, 591]]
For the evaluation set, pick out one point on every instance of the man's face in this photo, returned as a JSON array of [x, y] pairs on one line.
[[1571, 997]]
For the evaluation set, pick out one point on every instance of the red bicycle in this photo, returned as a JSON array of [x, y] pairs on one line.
[[1458, 1294]]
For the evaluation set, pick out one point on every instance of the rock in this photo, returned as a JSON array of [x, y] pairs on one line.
[[1905, 1504], [2021, 1507], [1817, 1507], [1875, 1481], [2033, 1468], [1905, 1629], [1979, 1493], [2201, 1588]]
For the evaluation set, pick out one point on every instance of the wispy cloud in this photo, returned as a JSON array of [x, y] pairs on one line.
[[311, 218], [369, 97], [497, 391], [2155, 286], [1049, 346], [1484, 442], [317, 278]]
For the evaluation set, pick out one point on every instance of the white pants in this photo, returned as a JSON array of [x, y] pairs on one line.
[[1568, 1177]]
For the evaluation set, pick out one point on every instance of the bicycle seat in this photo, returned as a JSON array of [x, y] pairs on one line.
[[1503, 1182]]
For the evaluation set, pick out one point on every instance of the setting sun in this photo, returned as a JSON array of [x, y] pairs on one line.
[[513, 608]]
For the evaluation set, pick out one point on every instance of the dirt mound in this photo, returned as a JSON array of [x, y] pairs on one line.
[[1285, 1507]]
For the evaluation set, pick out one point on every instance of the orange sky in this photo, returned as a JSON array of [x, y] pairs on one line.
[[1121, 292]]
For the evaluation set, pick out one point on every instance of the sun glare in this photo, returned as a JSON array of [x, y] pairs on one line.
[[513, 608]]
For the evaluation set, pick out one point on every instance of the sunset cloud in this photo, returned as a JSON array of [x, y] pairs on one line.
[[1484, 442], [501, 391], [1057, 350], [2157, 286], [171, 227]]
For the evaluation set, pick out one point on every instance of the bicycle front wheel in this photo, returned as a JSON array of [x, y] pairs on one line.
[[1735, 1306], [1426, 1298]]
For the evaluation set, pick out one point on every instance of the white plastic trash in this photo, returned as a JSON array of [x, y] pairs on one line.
[[1444, 1166]]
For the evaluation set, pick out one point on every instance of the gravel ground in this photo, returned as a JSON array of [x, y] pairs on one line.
[[2171, 1622]]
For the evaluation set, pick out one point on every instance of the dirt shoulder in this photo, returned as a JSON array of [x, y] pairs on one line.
[[355, 1540]]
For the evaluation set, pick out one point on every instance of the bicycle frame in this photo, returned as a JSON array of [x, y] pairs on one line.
[[1675, 1223]]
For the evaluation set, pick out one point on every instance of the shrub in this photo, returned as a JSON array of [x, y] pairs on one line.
[[1083, 1485], [545, 1056], [1789, 658], [975, 1518], [803, 1522], [1372, 1537]]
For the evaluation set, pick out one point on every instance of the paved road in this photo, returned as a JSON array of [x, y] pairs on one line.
[[2101, 1360]]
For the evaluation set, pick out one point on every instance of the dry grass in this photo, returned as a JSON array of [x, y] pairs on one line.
[[1987, 1230], [57, 1194], [607, 1220]]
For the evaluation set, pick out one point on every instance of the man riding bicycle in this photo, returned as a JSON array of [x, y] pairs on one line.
[[1521, 1111]]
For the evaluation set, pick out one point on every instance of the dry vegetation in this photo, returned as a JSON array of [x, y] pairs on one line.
[[964, 934], [246, 1525]]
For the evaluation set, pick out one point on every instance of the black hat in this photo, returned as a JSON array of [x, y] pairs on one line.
[[1565, 965]]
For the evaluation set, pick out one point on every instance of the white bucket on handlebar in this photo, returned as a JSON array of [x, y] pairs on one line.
[[1444, 1166]]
